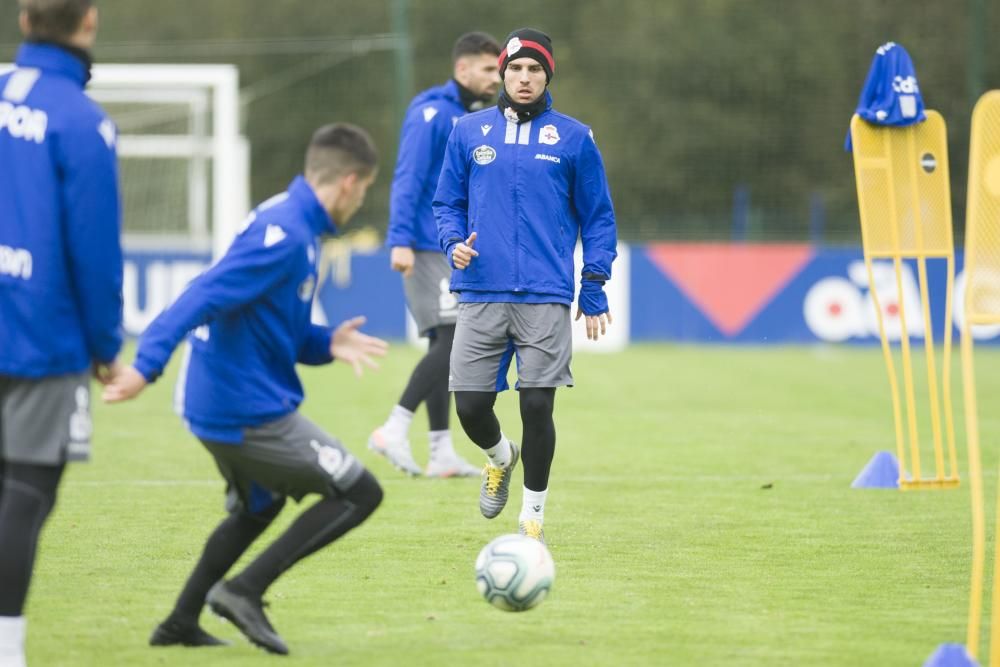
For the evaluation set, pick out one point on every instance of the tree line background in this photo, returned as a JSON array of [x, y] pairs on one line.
[[716, 118]]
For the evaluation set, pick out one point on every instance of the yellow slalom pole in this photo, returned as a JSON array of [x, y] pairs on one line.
[[897, 417], [907, 362], [949, 416], [925, 307], [975, 492], [980, 244], [932, 384]]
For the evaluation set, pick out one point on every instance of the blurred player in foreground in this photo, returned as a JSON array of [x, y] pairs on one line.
[[60, 280], [249, 318], [520, 184], [416, 253]]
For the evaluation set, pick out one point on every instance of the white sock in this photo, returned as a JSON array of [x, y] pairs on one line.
[[500, 453], [440, 444], [397, 426], [533, 505], [12, 629]]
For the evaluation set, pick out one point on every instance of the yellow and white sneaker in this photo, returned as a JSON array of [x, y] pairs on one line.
[[496, 485], [531, 528]]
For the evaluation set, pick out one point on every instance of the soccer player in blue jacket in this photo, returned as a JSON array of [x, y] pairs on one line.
[[521, 183], [60, 280], [417, 255], [238, 392]]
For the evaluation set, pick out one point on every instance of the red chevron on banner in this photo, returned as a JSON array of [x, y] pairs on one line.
[[730, 283]]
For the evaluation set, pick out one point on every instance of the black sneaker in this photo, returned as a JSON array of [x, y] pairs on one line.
[[247, 614], [176, 633]]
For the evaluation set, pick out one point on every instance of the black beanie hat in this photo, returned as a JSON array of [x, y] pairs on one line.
[[528, 43]]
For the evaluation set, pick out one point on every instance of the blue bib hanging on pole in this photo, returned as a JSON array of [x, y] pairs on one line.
[[891, 95]]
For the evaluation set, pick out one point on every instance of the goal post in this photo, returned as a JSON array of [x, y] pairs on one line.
[[185, 167], [184, 174], [187, 116]]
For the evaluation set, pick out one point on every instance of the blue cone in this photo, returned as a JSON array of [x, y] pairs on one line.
[[951, 655], [882, 472]]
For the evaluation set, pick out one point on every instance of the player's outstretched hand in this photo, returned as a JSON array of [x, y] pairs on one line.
[[463, 253], [597, 325], [125, 384], [401, 259], [350, 345]]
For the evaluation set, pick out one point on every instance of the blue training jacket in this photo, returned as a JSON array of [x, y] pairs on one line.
[[891, 94], [60, 220], [428, 123], [529, 190], [250, 316]]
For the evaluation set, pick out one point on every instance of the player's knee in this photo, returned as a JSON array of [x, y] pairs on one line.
[[30, 490], [366, 493], [473, 406], [438, 361], [27, 503], [537, 404]]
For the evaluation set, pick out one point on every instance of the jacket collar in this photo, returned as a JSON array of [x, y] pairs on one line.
[[318, 219], [450, 91], [53, 59]]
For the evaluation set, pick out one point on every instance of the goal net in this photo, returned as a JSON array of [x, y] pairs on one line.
[[184, 165]]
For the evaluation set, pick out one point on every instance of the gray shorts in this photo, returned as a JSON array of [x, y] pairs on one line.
[[290, 456], [489, 335], [427, 291], [45, 421]]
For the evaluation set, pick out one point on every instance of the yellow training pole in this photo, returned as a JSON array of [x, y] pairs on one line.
[[975, 489], [904, 200], [897, 417], [911, 400], [982, 296], [946, 373]]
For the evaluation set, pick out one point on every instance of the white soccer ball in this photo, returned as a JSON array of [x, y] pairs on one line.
[[514, 572]]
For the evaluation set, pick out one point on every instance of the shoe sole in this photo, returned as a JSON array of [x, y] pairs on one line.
[[222, 612]]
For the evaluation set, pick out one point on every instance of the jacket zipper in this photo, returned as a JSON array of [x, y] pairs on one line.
[[517, 212]]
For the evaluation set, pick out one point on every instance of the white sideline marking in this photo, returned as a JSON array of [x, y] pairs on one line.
[[587, 479]]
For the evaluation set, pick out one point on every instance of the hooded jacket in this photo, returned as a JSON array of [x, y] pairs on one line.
[[60, 220], [428, 123]]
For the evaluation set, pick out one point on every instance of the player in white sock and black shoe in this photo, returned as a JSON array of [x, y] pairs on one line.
[[417, 254], [60, 281], [520, 184]]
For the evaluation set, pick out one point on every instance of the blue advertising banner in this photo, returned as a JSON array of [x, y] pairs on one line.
[[715, 293]]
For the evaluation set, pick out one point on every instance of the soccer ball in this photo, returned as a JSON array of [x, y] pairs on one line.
[[514, 572]]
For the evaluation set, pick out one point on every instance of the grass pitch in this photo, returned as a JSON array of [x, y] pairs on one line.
[[700, 513]]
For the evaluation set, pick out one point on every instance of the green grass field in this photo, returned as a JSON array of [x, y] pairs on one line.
[[700, 513]]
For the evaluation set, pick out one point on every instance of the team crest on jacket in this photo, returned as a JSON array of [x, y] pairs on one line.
[[548, 135], [306, 289], [484, 154]]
